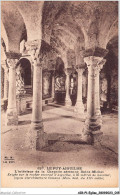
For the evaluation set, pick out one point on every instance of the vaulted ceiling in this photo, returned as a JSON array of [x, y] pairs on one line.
[[68, 27]]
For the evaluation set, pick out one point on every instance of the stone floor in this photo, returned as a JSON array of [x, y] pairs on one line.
[[67, 152]]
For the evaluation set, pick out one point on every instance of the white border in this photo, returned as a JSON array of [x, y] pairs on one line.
[[60, 191]]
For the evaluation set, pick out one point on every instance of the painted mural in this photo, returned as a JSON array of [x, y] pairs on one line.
[[20, 81], [60, 83]]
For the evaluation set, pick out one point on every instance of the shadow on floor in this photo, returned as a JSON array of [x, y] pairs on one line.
[[28, 111], [63, 117], [24, 122]]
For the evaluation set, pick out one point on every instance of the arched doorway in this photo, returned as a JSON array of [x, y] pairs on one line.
[[110, 73], [24, 74]]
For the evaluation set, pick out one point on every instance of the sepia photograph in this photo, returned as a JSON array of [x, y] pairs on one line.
[[59, 94]]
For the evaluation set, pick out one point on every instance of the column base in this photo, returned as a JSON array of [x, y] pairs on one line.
[[94, 123], [11, 117], [31, 139], [37, 125], [68, 103], [79, 108], [80, 115], [36, 138], [42, 140], [91, 132], [53, 99], [86, 136], [92, 137]]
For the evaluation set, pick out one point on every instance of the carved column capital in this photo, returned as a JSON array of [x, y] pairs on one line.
[[68, 71], [94, 64], [80, 70], [33, 48], [12, 59], [12, 63], [13, 55]]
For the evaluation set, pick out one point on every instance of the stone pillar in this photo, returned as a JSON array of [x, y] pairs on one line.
[[53, 85], [79, 107], [2, 82], [84, 85], [37, 97], [67, 98], [6, 83], [12, 117], [36, 138], [91, 131]]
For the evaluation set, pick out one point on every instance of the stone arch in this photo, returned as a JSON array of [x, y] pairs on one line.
[[13, 22], [71, 58], [32, 15], [3, 50], [113, 32], [4, 36], [25, 74], [110, 71], [93, 34]]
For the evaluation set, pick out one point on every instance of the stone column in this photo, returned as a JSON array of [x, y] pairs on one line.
[[53, 85], [36, 133], [37, 97], [2, 82], [84, 85], [6, 83], [79, 107], [91, 131], [67, 98], [37, 91], [12, 117]]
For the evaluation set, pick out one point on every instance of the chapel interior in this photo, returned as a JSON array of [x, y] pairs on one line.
[[59, 72]]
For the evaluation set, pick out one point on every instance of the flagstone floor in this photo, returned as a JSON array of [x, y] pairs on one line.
[[61, 120]]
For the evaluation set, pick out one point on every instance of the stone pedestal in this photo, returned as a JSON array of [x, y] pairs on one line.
[[79, 107], [91, 131], [67, 98], [12, 117]]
